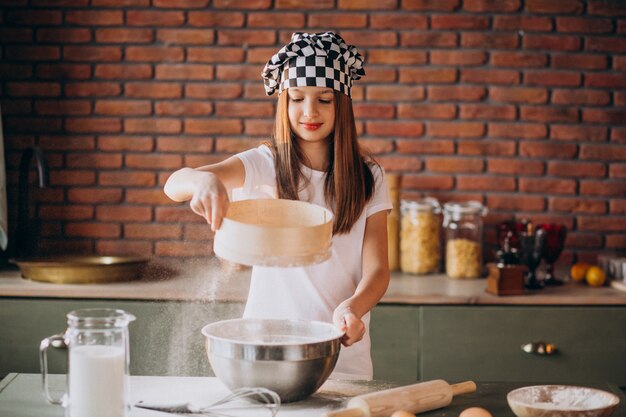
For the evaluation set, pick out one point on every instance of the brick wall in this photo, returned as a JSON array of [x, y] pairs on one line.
[[517, 103]]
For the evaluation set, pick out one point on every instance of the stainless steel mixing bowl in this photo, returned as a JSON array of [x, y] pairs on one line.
[[291, 357]]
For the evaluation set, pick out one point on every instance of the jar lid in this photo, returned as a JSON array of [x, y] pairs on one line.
[[465, 207], [423, 204]]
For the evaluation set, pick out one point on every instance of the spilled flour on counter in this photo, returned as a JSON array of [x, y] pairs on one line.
[[554, 397]]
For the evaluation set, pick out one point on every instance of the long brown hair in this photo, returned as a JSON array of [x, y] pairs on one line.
[[349, 182]]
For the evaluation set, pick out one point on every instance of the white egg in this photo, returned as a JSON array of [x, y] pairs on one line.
[[475, 412], [402, 413]]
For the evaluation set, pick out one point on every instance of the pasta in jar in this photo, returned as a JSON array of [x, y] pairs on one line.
[[420, 249]]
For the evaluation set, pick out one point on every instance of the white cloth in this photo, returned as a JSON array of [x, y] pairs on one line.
[[311, 292], [4, 232]]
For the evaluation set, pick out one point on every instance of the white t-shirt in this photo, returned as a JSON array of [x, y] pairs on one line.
[[311, 292]]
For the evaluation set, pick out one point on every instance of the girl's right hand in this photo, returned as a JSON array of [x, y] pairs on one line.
[[209, 199]]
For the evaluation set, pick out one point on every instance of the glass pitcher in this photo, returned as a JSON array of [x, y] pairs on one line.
[[463, 226], [98, 376]]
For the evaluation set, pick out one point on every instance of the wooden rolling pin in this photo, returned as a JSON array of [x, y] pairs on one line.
[[416, 398]]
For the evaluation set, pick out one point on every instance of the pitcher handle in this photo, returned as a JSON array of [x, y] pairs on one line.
[[57, 341]]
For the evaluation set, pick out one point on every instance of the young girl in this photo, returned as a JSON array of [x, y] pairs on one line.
[[314, 157]]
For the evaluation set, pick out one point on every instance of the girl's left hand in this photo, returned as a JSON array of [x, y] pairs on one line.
[[352, 326]]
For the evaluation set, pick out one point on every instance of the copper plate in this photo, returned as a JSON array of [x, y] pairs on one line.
[[82, 269]]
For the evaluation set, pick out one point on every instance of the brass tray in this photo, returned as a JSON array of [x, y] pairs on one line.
[[77, 269]]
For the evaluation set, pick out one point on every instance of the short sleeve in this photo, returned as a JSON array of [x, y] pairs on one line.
[[380, 199], [260, 174]]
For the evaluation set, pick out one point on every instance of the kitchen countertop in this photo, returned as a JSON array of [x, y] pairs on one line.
[[21, 396], [208, 280]]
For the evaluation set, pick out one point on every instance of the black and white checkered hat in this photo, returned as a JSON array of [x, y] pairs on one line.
[[314, 60]]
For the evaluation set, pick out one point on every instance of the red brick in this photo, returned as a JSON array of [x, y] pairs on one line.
[[602, 188], [607, 7], [617, 171], [161, 125], [370, 38], [518, 94], [156, 90], [576, 205], [395, 21], [601, 223], [431, 5], [93, 125], [489, 40], [123, 247], [94, 160], [41, 89], [177, 214], [123, 71], [120, 3], [457, 93], [553, 78], [517, 130], [610, 116], [459, 22], [516, 202], [94, 195], [95, 17], [485, 183], [429, 39], [552, 7], [617, 242], [579, 61], [231, 146], [352, 20], [379, 111], [147, 196], [246, 37], [90, 229], [381, 146], [238, 72], [72, 177], [367, 4], [244, 109], [17, 107], [215, 19], [272, 20], [123, 107], [427, 111], [576, 169], [183, 108], [618, 206], [428, 75], [551, 42], [185, 249], [213, 91], [192, 232], [486, 148], [548, 114], [258, 127], [425, 147], [489, 76], [456, 130], [243, 4], [618, 135], [16, 71], [577, 96], [485, 6], [548, 150], [32, 53], [619, 98], [63, 71], [487, 112], [16, 35], [605, 44], [153, 161], [63, 107], [154, 18], [454, 165], [127, 178], [603, 152], [605, 80], [515, 166], [578, 133], [152, 231], [34, 17], [396, 57], [518, 59], [381, 75], [522, 22], [400, 163], [183, 72], [92, 89], [185, 144], [125, 143], [67, 143], [64, 35], [37, 124], [547, 185], [186, 36], [154, 54], [213, 126], [427, 182], [458, 58], [124, 35], [181, 4], [66, 212], [394, 93], [619, 63], [403, 129], [92, 53], [583, 25]]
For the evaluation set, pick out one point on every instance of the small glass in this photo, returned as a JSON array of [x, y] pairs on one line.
[[552, 248], [98, 376], [420, 236], [463, 223]]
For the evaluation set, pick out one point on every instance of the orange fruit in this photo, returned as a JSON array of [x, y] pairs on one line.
[[595, 276], [578, 271]]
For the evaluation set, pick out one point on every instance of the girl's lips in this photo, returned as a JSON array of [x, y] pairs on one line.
[[311, 126]]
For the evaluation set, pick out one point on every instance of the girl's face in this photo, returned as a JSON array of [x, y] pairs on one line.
[[311, 112]]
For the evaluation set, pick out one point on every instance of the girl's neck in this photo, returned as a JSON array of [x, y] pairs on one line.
[[316, 155]]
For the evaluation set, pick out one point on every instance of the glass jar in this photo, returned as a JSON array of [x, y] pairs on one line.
[[463, 223], [420, 236]]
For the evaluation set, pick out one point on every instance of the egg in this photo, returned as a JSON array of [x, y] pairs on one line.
[[475, 412], [402, 413]]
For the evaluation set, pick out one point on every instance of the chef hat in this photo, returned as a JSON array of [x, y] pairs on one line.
[[315, 60]]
